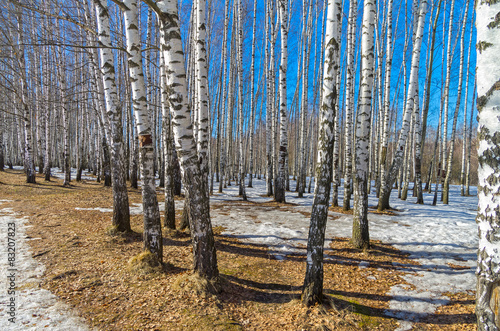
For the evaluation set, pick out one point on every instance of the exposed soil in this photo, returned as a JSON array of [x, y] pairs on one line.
[[88, 269]]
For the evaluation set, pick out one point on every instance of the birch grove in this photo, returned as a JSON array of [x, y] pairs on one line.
[[255, 98]]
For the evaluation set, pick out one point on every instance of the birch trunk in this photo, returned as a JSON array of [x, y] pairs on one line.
[[253, 100], [168, 147], [446, 94], [465, 141], [446, 184], [417, 185], [428, 78], [61, 77], [204, 255], [269, 105], [306, 37], [312, 291], [469, 141], [121, 213], [279, 191], [383, 202], [488, 216], [201, 88], [223, 95], [387, 102], [26, 114], [349, 103], [152, 236], [360, 233], [242, 192]]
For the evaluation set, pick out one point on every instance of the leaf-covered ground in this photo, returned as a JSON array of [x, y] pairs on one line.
[[88, 269]]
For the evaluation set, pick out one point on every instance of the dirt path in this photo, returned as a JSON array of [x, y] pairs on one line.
[[23, 303]]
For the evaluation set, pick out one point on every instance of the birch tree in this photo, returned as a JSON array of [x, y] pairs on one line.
[[24, 99], [349, 103], [242, 192], [446, 94], [312, 291], [269, 61], [385, 193], [252, 99], [202, 87], [488, 215], [360, 234], [387, 93], [306, 45], [121, 213], [466, 139], [152, 236], [446, 184], [204, 255], [279, 190]]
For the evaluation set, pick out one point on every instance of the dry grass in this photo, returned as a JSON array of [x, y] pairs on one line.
[[89, 269]]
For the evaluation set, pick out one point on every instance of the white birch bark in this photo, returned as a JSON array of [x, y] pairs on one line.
[[488, 216], [46, 114]]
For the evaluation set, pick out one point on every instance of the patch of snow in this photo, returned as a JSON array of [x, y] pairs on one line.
[[363, 265], [102, 210], [434, 236]]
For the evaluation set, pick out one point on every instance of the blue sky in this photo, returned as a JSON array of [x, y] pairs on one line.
[[402, 15]]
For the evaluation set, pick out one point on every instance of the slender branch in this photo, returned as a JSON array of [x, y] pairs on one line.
[[64, 18]]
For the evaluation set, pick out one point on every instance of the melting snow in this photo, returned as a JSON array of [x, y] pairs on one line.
[[434, 236], [437, 237]]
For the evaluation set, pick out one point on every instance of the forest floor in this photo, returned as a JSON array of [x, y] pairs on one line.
[[87, 268]]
